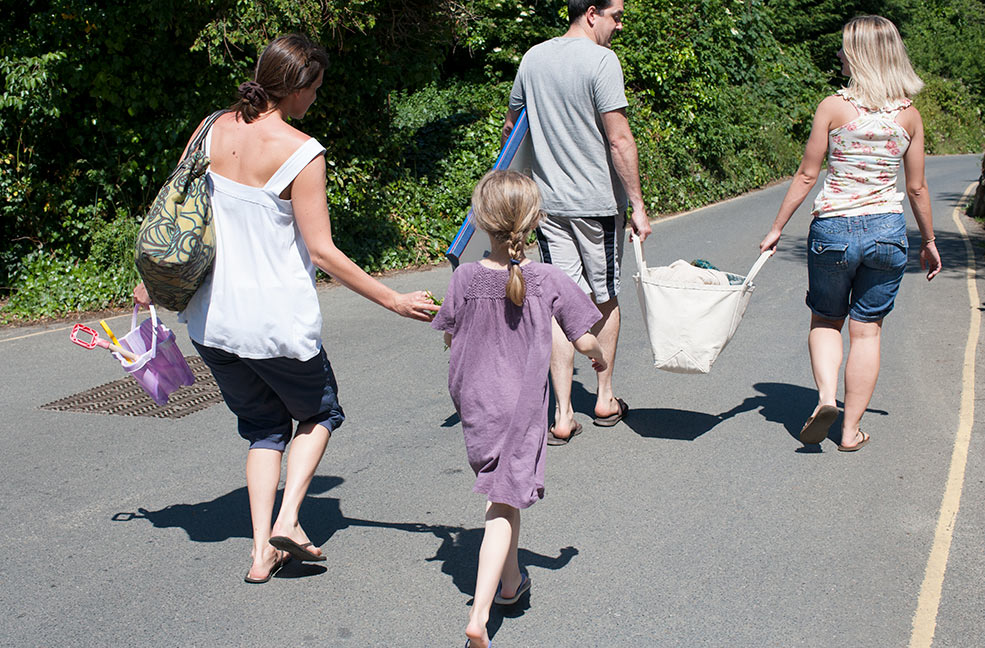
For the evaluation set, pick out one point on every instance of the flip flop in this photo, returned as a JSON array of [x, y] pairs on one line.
[[520, 591], [815, 429], [273, 570], [857, 446], [297, 550], [559, 441], [612, 419]]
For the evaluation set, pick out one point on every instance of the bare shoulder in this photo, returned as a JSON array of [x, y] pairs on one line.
[[909, 118], [836, 111]]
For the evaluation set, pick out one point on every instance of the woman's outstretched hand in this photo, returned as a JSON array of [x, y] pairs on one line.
[[930, 259], [416, 305]]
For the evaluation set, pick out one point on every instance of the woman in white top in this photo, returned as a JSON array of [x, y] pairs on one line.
[[857, 246], [256, 320]]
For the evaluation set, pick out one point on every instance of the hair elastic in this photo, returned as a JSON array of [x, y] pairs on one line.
[[514, 261]]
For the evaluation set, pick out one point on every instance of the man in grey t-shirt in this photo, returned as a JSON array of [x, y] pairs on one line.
[[586, 166]]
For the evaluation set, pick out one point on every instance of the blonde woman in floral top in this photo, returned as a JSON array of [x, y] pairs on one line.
[[857, 246]]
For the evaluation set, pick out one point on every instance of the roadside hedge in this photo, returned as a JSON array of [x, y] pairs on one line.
[[98, 99]]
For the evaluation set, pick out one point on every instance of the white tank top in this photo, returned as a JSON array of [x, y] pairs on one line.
[[260, 300], [863, 162]]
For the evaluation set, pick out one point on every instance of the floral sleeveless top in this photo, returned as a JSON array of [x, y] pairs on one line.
[[863, 162]]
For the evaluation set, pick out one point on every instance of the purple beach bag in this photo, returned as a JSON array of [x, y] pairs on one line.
[[160, 369]]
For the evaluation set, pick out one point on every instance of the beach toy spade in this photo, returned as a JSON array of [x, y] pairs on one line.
[[90, 340]]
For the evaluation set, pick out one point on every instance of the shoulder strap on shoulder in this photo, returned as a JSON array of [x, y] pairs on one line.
[[293, 165], [204, 131]]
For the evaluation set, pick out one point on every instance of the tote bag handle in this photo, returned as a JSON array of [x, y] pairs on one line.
[[756, 267], [153, 316], [638, 249]]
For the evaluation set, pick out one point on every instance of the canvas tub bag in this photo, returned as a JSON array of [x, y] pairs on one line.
[[176, 242], [688, 324]]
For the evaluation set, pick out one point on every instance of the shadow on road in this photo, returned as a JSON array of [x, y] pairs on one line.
[[788, 405], [228, 516]]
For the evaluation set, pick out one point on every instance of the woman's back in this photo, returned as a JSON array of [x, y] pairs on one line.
[[259, 301], [250, 153], [864, 154]]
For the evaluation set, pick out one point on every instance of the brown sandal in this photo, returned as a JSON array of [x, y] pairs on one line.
[[816, 428], [857, 446]]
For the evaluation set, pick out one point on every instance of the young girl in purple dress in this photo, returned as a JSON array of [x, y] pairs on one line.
[[496, 317]]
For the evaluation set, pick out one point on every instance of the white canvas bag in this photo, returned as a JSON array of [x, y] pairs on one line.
[[688, 324]]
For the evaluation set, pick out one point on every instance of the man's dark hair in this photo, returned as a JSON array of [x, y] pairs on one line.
[[577, 8]]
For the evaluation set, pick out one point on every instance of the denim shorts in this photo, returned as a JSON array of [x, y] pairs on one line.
[[855, 265], [268, 395]]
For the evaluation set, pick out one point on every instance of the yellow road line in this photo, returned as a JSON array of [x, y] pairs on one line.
[[928, 603], [56, 330]]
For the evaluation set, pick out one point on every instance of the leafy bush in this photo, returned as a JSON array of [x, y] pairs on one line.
[[98, 100]]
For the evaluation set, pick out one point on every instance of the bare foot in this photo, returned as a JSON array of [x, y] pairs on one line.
[[562, 429], [611, 408], [297, 534], [511, 585], [265, 562], [476, 632]]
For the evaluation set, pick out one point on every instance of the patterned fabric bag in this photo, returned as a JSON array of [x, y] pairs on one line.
[[176, 242]]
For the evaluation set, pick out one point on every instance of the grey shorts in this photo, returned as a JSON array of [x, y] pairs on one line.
[[587, 249]]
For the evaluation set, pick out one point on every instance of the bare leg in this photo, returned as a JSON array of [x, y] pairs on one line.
[[825, 345], [497, 553], [305, 454], [562, 371], [607, 331], [262, 478], [861, 373]]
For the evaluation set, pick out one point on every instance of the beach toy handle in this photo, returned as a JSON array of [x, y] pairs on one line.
[[85, 330], [93, 341]]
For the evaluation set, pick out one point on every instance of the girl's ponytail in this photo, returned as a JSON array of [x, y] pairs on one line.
[[506, 205], [516, 285]]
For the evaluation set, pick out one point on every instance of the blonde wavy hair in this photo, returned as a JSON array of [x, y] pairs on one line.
[[881, 72], [506, 205]]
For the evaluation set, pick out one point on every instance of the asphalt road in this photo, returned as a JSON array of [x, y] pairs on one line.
[[698, 521]]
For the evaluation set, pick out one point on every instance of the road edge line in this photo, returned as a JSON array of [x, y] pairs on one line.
[[928, 603]]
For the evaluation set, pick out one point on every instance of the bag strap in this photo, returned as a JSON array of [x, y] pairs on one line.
[[204, 130], [756, 267], [638, 249], [196, 143]]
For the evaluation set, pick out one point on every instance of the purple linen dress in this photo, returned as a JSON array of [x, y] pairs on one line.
[[500, 358]]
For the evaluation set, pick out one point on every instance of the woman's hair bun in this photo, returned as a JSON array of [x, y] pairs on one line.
[[254, 94]]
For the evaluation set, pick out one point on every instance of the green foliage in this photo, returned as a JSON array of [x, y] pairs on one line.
[[98, 99], [952, 117]]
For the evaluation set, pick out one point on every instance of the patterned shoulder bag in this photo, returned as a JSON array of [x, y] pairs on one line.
[[176, 241]]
